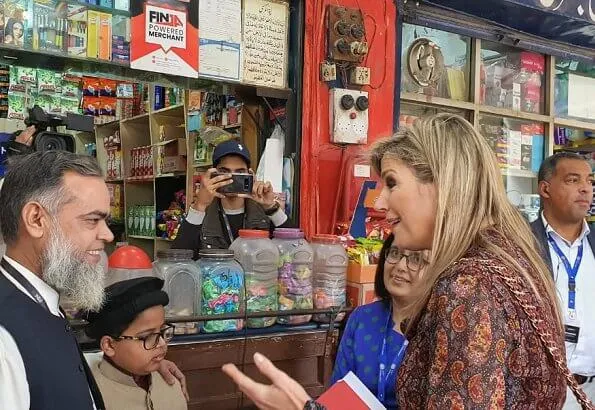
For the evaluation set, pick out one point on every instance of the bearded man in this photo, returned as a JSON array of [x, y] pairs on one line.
[[53, 216]]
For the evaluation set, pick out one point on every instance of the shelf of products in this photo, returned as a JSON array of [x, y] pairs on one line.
[[526, 104]]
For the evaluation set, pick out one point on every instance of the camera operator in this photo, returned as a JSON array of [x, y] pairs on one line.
[[20, 143], [215, 219]]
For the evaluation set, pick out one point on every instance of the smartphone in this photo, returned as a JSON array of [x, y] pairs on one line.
[[241, 184]]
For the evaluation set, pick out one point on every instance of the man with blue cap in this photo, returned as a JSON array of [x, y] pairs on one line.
[[215, 218]]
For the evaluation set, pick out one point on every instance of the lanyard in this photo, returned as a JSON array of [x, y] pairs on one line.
[[383, 374], [16, 275], [227, 224], [572, 271]]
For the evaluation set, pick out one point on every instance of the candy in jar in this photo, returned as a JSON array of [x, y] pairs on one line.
[[295, 274], [222, 281], [259, 257], [330, 275]]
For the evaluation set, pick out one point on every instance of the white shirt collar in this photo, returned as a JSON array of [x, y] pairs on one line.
[[548, 228], [50, 295]]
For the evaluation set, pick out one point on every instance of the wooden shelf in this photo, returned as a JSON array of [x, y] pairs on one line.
[[114, 181], [148, 238], [171, 175], [135, 120], [518, 115], [111, 124], [518, 173], [570, 123], [201, 165], [232, 126], [171, 111], [163, 239], [139, 179], [437, 101]]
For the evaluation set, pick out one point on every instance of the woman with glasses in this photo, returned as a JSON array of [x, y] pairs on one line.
[[373, 344], [133, 337]]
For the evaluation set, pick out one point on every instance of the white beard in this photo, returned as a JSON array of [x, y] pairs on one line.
[[65, 269]]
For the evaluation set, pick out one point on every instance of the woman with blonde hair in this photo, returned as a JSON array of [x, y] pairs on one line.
[[485, 329]]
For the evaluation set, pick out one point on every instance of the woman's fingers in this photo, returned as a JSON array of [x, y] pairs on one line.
[[248, 386], [289, 386]]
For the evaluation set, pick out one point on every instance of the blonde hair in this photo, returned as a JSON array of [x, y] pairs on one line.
[[446, 150]]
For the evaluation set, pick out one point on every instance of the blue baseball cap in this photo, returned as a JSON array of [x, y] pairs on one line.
[[230, 147]]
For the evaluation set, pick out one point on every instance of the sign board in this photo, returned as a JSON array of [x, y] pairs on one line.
[[220, 23], [265, 43], [164, 36]]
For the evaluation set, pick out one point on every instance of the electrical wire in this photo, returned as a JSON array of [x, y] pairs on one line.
[[385, 49]]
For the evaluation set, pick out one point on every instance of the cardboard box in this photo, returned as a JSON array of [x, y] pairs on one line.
[[361, 273], [360, 294], [173, 164]]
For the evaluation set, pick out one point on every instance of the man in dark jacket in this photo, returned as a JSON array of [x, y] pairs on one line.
[[568, 248], [215, 219]]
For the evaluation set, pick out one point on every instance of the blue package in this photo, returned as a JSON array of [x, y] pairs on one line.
[[537, 150]]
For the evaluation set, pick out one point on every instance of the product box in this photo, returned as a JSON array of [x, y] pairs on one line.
[[17, 29], [77, 20], [361, 273], [107, 3], [360, 293], [173, 164], [105, 37], [93, 30]]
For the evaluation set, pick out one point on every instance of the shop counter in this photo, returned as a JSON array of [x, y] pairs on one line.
[[306, 353]]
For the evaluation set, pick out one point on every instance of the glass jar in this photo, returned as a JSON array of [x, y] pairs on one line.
[[295, 274], [182, 284], [330, 275], [259, 257], [222, 280]]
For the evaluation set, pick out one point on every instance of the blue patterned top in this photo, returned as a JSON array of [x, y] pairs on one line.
[[360, 347]]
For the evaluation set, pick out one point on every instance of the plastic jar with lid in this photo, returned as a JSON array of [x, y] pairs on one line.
[[330, 275], [222, 280], [259, 257], [295, 274], [182, 284]]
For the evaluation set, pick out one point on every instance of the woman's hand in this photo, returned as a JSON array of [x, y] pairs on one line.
[[171, 373], [284, 394]]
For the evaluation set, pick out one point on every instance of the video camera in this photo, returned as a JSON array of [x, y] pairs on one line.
[[44, 140]]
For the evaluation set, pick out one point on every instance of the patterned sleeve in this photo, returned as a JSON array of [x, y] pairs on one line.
[[470, 338], [344, 362]]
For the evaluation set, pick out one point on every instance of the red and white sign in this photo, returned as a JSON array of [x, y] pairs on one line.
[[164, 36]]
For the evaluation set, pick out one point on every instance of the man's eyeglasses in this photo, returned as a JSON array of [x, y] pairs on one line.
[[414, 260], [151, 341]]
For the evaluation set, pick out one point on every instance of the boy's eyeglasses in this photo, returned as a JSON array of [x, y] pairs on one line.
[[151, 341], [414, 260]]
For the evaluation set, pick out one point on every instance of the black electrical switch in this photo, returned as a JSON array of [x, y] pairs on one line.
[[362, 103], [347, 102]]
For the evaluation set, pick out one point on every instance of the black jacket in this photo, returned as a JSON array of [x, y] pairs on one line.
[[541, 236], [212, 234]]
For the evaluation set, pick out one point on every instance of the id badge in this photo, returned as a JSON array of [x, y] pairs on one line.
[[571, 333]]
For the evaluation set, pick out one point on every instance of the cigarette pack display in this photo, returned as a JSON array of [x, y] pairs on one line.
[[49, 26], [77, 30]]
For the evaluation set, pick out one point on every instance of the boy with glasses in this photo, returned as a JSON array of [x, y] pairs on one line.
[[133, 336]]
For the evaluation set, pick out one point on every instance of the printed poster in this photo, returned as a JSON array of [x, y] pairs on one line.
[[164, 36], [220, 23]]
